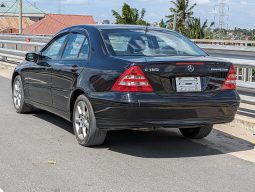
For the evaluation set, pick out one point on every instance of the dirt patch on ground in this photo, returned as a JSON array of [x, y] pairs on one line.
[[6, 70]]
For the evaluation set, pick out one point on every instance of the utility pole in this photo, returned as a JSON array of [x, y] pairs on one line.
[[20, 17], [174, 23]]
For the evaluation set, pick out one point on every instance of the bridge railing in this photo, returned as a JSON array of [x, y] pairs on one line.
[[241, 53], [225, 42]]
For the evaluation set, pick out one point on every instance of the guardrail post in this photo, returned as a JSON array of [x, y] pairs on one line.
[[246, 74]]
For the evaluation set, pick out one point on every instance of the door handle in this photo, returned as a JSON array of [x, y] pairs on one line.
[[74, 68]]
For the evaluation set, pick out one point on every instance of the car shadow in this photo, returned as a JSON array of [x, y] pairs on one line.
[[168, 143], [54, 119], [162, 143]]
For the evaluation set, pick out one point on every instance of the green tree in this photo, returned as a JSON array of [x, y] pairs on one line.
[[197, 30], [130, 15], [162, 24], [183, 12]]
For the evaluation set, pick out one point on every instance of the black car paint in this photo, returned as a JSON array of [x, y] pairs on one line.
[[54, 85]]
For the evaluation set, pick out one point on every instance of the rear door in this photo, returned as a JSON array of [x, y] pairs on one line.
[[66, 71]]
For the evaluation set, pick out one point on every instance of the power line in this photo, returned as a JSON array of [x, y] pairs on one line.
[[48, 15], [8, 9]]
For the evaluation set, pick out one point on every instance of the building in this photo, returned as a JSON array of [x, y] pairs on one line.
[[106, 22], [11, 9], [34, 20], [52, 23], [11, 24], [9, 12]]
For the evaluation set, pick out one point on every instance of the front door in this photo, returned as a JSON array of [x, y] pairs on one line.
[[40, 73]]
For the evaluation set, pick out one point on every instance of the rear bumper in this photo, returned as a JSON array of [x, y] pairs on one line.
[[168, 112]]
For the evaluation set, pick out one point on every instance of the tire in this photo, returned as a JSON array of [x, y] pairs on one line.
[[18, 97], [197, 133], [84, 124]]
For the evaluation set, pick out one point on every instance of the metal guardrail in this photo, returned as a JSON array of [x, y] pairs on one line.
[[14, 47], [229, 51], [224, 42], [32, 38]]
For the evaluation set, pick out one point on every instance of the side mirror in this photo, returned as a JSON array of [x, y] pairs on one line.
[[32, 57]]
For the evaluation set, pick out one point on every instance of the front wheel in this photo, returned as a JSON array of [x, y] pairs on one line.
[[84, 124], [18, 96], [197, 133]]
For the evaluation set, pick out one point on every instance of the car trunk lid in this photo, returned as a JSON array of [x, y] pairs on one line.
[[180, 75]]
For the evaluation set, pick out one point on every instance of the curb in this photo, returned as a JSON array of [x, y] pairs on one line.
[[7, 65], [243, 122], [248, 102]]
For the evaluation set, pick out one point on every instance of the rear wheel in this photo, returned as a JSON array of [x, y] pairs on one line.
[[84, 124], [18, 97], [197, 133]]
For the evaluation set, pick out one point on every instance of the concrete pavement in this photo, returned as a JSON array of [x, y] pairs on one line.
[[129, 160]]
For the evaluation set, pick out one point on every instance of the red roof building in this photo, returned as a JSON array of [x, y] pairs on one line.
[[52, 23], [11, 24]]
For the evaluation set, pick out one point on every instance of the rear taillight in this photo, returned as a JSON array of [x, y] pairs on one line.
[[230, 81], [132, 80]]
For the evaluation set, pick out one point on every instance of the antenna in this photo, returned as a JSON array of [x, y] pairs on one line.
[[221, 10]]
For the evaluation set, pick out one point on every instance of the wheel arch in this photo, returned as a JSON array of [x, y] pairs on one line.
[[76, 93], [14, 75]]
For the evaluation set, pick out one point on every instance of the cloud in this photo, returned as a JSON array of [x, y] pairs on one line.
[[201, 2], [244, 2], [74, 2]]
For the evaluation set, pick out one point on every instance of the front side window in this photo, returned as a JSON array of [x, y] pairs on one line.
[[75, 47], [123, 42], [53, 50]]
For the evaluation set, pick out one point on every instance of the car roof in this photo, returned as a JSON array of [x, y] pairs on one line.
[[116, 26]]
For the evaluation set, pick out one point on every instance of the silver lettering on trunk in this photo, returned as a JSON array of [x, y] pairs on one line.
[[219, 69], [152, 69]]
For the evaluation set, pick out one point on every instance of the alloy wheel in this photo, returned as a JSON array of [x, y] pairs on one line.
[[17, 94], [82, 120]]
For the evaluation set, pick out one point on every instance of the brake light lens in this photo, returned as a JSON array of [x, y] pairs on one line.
[[132, 80], [230, 81]]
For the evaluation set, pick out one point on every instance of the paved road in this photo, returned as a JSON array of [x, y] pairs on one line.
[[129, 161]]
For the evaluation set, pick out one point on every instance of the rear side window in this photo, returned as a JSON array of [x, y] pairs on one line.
[[84, 52], [74, 47]]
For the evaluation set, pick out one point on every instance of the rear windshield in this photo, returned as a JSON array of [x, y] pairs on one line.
[[122, 42]]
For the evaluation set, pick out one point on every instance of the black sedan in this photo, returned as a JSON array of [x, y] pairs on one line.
[[108, 77]]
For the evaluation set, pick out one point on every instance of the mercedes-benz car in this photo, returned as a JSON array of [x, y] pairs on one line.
[[111, 77]]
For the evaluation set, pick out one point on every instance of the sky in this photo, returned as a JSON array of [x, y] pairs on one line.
[[240, 13]]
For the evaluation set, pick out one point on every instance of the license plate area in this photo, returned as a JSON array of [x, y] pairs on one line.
[[188, 84]]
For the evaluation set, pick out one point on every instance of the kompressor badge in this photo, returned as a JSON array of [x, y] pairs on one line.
[[219, 69]]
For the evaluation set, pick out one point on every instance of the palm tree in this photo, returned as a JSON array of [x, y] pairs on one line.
[[162, 24], [196, 29], [183, 12], [130, 16]]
